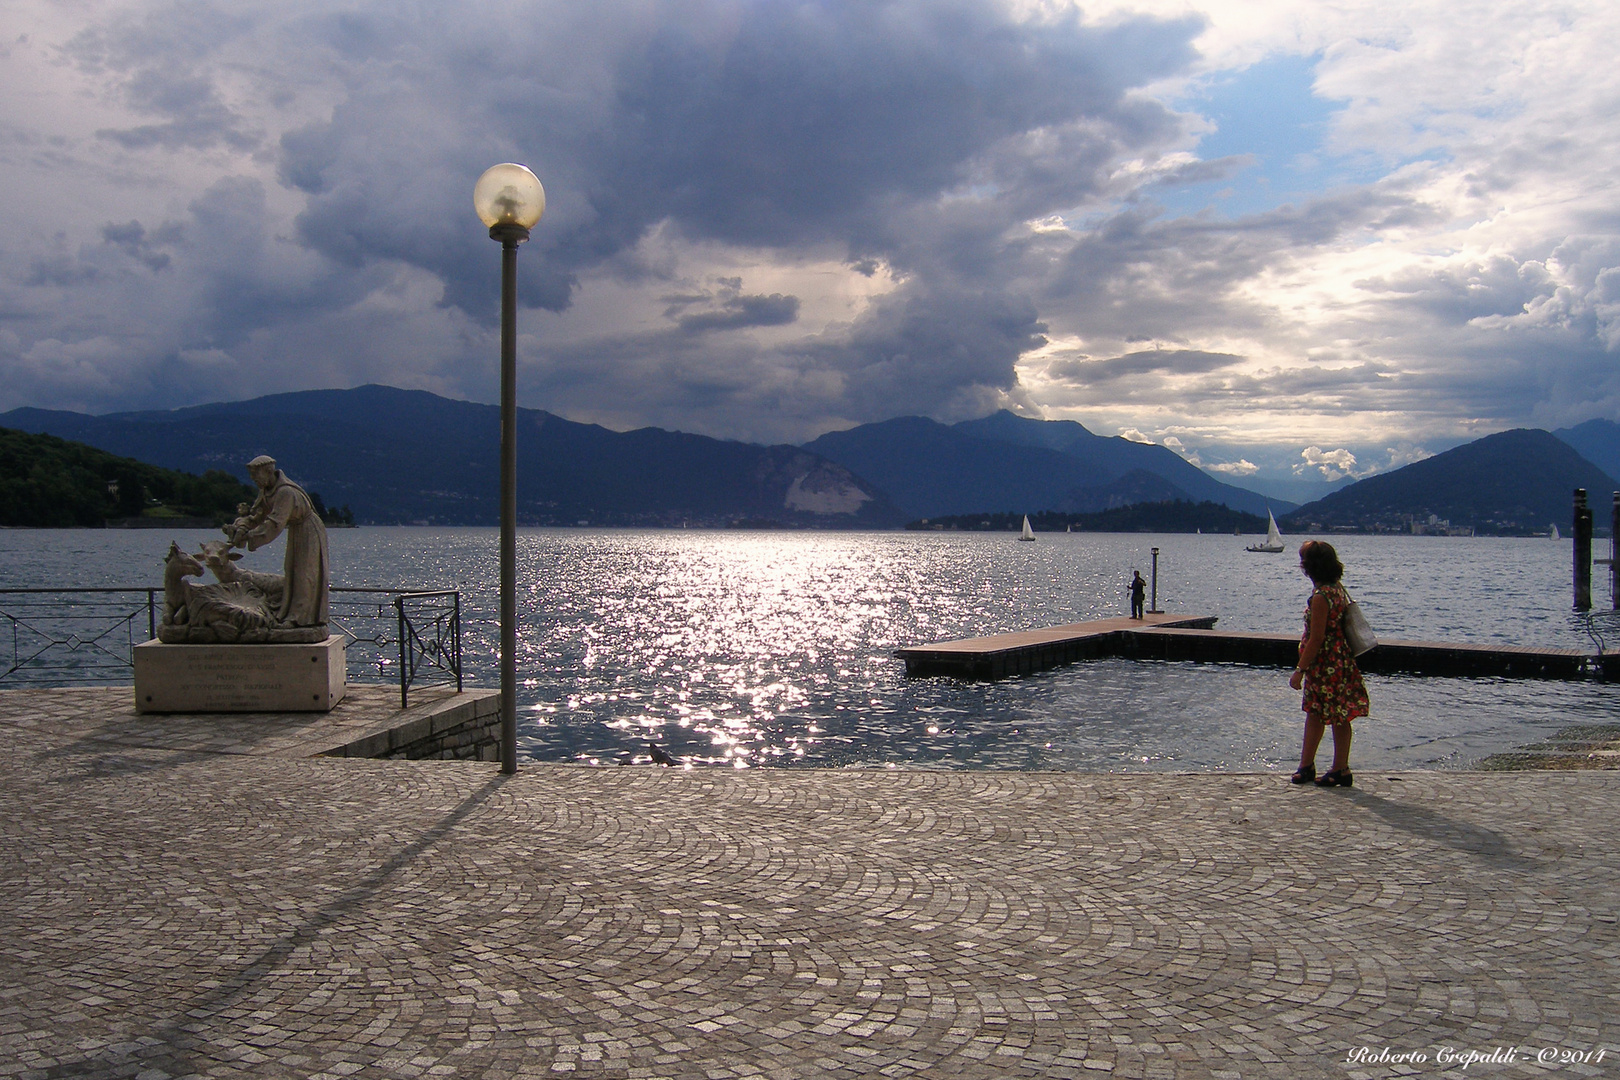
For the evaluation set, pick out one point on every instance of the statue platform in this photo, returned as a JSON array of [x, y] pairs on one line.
[[239, 678]]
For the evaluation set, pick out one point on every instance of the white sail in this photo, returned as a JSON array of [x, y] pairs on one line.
[[1553, 534], [1028, 533], [1274, 540]]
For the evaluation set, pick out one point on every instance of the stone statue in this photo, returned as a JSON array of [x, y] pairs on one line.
[[223, 613], [284, 506], [244, 606]]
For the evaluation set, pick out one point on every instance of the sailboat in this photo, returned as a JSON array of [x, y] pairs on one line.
[[1553, 533], [1273, 542], [1028, 533]]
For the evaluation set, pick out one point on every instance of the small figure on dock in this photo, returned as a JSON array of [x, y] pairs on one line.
[[1138, 589], [1327, 671]]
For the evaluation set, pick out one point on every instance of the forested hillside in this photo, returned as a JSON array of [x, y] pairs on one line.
[[46, 482]]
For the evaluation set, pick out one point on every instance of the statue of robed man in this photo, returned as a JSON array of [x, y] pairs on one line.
[[283, 506]]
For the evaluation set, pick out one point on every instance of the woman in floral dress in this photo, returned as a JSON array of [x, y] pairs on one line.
[[1334, 692]]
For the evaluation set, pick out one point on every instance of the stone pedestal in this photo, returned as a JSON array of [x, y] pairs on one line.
[[239, 678]]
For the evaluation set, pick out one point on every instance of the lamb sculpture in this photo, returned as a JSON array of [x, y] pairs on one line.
[[222, 612]]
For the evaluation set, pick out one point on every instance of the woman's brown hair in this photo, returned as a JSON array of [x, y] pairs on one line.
[[1321, 562]]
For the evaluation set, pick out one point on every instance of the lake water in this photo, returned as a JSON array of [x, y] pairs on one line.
[[749, 649]]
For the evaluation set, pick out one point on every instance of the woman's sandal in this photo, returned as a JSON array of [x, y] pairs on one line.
[[1303, 775], [1336, 778]]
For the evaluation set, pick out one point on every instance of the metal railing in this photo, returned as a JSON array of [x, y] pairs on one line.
[[74, 636], [426, 639]]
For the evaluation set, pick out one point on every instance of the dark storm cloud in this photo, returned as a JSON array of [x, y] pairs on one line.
[[58, 269], [251, 277], [1167, 361], [760, 124], [1186, 261], [162, 57], [812, 118], [223, 261], [946, 354], [878, 130], [200, 120], [133, 240], [933, 350], [738, 312], [1204, 172]]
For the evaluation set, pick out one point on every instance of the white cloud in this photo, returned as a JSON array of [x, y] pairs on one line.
[[1407, 454], [1332, 464], [1240, 467], [1171, 442]]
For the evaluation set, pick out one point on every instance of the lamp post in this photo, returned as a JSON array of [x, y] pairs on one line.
[[510, 200]]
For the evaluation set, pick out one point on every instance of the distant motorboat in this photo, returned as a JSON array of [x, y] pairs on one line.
[[1028, 533], [1273, 542], [1552, 533]]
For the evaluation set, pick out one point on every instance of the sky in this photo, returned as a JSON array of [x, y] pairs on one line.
[[1289, 240]]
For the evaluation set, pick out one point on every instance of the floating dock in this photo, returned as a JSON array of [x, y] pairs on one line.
[[1023, 651], [1193, 637]]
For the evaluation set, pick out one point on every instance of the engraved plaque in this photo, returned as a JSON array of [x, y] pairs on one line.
[[239, 678]]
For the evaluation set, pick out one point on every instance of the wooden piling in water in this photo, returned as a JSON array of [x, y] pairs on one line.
[[1583, 552], [1614, 553]]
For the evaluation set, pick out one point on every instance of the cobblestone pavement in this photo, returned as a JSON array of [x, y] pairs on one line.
[[179, 913], [106, 715]]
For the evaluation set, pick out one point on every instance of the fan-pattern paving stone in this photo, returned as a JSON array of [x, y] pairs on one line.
[[178, 913]]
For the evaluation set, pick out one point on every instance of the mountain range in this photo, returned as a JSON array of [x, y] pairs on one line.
[[1598, 441], [1006, 462], [1513, 482], [408, 456]]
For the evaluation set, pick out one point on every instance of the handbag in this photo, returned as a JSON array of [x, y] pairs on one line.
[[1357, 630]]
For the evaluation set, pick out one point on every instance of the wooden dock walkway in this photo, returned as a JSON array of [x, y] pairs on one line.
[[1193, 637], [1023, 651]]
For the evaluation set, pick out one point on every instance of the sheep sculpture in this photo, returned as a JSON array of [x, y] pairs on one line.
[[220, 612]]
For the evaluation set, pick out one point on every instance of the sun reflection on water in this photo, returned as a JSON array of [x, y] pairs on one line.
[[749, 649], [724, 651]]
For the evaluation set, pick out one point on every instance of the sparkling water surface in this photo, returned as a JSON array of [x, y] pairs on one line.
[[747, 648]]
